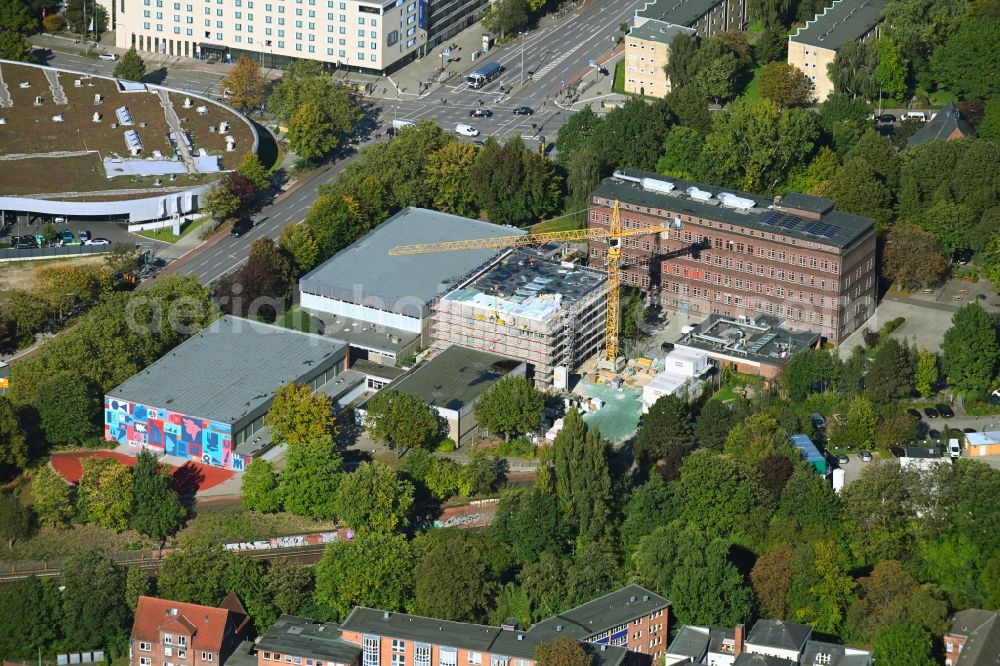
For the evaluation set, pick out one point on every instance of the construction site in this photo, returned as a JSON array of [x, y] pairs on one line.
[[548, 313]]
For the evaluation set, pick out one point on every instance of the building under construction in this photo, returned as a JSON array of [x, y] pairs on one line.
[[548, 313]]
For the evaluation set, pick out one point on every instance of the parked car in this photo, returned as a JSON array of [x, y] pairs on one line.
[[98, 241], [523, 111], [866, 456], [240, 227], [466, 130], [933, 434], [931, 412], [843, 459], [110, 57], [954, 449], [480, 113], [819, 423], [914, 413], [23, 242], [945, 411], [84, 235], [886, 118], [915, 115], [969, 430]]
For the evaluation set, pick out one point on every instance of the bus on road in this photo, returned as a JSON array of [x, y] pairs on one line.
[[484, 75]]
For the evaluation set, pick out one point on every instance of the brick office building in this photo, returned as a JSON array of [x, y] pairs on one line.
[[737, 254], [628, 627]]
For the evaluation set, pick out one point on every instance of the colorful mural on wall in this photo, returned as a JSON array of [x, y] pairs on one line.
[[161, 430]]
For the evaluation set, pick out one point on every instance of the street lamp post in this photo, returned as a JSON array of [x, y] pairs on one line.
[[522, 58]]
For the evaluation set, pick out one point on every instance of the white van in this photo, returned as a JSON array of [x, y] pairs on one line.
[[915, 115], [466, 130], [954, 449], [399, 123]]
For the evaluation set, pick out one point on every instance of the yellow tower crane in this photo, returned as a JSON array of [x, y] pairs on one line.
[[613, 235]]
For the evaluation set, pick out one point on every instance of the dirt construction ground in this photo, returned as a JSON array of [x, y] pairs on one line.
[[24, 274]]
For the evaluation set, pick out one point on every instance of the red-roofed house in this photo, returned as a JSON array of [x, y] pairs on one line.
[[173, 633]]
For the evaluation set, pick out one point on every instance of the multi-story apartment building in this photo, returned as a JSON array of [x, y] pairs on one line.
[[706, 17], [371, 36], [172, 633], [737, 254], [647, 50], [627, 627], [814, 46]]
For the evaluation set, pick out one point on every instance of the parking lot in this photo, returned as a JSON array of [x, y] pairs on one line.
[[113, 231]]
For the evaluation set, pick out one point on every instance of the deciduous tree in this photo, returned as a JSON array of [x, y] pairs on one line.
[[506, 16], [771, 578], [453, 581], [289, 584], [221, 202], [374, 498], [196, 574], [854, 70], [912, 258], [104, 494], [13, 46], [716, 493], [834, 590], [375, 570], [969, 352], [903, 644], [13, 442], [926, 374], [246, 83], [877, 509], [298, 415], [254, 170], [311, 478], [860, 429], [890, 376], [512, 406], [310, 133], [681, 153], [757, 437], [259, 491], [966, 64], [652, 505], [449, 178], [562, 651], [51, 497], [785, 84], [681, 67], [298, 241], [753, 144], [15, 519], [16, 17], [715, 420], [67, 407], [94, 610], [30, 618], [890, 593], [130, 67], [529, 521], [137, 584], [401, 420], [666, 426]]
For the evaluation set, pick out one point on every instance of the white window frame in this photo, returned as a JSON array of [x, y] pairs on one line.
[[145, 646]]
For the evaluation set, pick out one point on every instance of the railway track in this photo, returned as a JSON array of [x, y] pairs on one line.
[[301, 554]]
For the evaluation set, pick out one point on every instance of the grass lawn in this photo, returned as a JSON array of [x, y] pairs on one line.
[[299, 320], [561, 223], [166, 234], [618, 85], [752, 90]]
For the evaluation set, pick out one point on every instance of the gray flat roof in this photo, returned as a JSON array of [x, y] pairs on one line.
[[455, 377], [678, 12], [808, 202], [342, 384], [690, 641], [775, 633], [373, 369], [245, 654], [659, 31], [304, 637], [835, 228], [842, 22], [364, 334], [613, 609], [229, 370], [365, 274], [774, 345]]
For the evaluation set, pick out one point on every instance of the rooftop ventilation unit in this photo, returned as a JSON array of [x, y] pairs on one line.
[[700, 195], [620, 175], [734, 201], [656, 185]]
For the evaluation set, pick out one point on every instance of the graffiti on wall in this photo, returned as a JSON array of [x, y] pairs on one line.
[[170, 433]]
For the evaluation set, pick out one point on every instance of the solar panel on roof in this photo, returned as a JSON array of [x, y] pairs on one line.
[[821, 229], [769, 217]]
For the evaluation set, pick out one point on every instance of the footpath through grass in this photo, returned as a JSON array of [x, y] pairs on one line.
[[166, 234]]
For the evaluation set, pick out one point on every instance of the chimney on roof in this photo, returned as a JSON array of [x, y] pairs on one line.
[[559, 627], [631, 599], [738, 639], [520, 637], [173, 612], [386, 615]]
